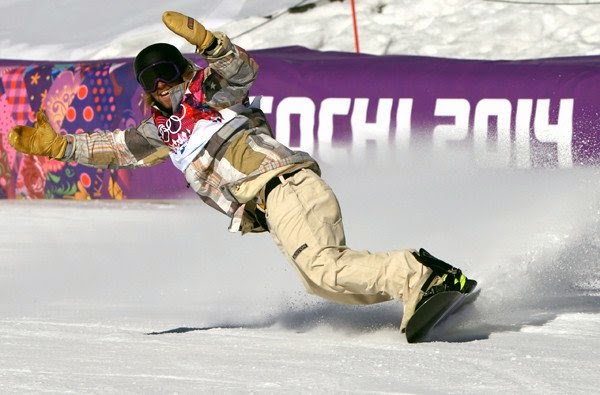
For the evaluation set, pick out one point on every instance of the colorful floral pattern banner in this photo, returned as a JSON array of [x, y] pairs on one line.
[[528, 113]]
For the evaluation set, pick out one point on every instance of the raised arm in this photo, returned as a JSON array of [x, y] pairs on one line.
[[231, 71]]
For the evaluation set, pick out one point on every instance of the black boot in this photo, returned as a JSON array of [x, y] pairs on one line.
[[450, 277]]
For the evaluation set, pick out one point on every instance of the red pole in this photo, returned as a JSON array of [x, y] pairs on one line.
[[355, 26]]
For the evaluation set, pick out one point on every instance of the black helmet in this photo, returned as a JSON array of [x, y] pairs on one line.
[[158, 62]]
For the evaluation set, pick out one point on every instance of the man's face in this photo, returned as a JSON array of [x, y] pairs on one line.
[[161, 94]]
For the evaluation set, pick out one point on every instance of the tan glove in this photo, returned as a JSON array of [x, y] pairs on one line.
[[40, 139], [188, 28]]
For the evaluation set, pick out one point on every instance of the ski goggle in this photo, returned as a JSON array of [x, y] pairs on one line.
[[164, 71]]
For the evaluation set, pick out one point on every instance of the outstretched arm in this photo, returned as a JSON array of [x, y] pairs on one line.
[[129, 148], [39, 139], [133, 147]]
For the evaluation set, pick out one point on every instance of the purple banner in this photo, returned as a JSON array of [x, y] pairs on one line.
[[529, 113]]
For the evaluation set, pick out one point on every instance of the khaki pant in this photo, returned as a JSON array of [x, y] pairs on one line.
[[305, 221]]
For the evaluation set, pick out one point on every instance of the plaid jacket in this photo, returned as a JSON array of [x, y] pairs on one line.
[[230, 172]]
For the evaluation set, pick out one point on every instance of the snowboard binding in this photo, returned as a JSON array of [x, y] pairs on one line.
[[444, 292], [446, 276]]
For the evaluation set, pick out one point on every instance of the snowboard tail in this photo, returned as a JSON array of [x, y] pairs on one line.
[[433, 311]]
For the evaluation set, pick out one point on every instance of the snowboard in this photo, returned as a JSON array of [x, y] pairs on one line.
[[433, 311]]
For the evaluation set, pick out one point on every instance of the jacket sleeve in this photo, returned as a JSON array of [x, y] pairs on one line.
[[231, 72], [129, 148]]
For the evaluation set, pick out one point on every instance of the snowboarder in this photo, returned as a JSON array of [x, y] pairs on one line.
[[202, 119]]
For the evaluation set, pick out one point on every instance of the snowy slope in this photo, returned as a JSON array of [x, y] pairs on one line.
[[446, 28], [97, 298]]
